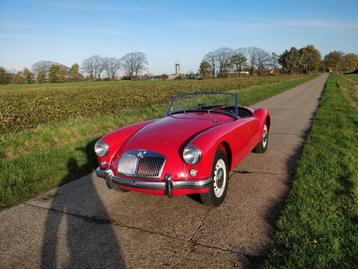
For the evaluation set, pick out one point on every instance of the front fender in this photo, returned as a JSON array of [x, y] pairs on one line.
[[209, 142]]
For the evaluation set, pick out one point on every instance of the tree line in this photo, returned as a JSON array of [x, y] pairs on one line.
[[92, 68], [225, 62], [222, 62]]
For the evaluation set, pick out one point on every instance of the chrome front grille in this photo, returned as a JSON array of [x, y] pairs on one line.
[[141, 163]]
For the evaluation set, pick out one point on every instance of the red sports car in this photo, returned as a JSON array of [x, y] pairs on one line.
[[189, 151]]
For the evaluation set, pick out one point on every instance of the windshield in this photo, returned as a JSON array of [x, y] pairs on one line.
[[225, 103]]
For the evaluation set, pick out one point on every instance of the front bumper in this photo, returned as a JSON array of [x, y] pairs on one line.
[[168, 185]]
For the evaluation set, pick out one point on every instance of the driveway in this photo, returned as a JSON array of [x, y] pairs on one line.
[[85, 225]]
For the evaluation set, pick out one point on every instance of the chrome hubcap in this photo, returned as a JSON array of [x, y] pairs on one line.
[[220, 176]]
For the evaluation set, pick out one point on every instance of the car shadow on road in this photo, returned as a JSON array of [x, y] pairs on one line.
[[73, 239]]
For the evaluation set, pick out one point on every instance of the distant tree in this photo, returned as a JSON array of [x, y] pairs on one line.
[[93, 66], [333, 60], [282, 60], [42, 67], [111, 66], [4, 76], [253, 55], [41, 77], [62, 73], [133, 63], [290, 60], [74, 72], [88, 67], [238, 61], [220, 59], [275, 60], [28, 76], [99, 66], [205, 69], [211, 59], [309, 59], [19, 78], [350, 62], [53, 73], [263, 60]]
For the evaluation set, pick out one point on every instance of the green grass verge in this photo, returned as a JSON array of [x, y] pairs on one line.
[[353, 76], [318, 226], [37, 159]]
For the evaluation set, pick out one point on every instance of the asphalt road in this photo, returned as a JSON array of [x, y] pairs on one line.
[[85, 225]]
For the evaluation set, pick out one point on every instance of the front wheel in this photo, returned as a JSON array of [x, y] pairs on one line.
[[218, 188], [262, 145]]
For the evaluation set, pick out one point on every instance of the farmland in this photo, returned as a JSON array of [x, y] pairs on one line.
[[318, 227], [45, 126], [27, 106]]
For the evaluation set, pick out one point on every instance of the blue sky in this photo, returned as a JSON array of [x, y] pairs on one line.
[[168, 31]]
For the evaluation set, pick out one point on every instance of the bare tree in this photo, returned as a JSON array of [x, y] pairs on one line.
[[211, 59], [111, 66], [88, 66], [42, 67], [220, 59], [98, 66], [252, 57], [263, 60], [133, 63], [258, 59], [93, 66]]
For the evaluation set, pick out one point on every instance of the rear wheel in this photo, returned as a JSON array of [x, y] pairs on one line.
[[262, 145], [218, 188]]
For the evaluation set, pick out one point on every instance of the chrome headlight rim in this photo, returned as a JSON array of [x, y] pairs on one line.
[[192, 154], [101, 148]]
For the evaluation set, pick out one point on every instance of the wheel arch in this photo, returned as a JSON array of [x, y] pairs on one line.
[[268, 121], [225, 147]]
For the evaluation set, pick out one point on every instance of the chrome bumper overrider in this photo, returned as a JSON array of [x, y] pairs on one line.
[[168, 185]]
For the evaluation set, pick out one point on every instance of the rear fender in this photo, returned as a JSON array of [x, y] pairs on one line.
[[264, 116]]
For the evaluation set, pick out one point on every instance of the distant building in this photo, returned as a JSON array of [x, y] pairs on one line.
[[177, 72], [177, 69]]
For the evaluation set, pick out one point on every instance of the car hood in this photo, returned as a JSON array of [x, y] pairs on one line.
[[173, 132]]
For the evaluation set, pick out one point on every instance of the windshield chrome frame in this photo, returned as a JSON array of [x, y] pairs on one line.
[[202, 93]]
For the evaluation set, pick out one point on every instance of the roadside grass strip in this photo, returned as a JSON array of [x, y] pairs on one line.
[[318, 227]]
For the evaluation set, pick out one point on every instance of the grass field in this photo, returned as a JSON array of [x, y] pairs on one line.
[[48, 131], [319, 226]]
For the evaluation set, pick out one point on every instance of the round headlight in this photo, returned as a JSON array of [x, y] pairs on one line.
[[101, 148], [191, 155]]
